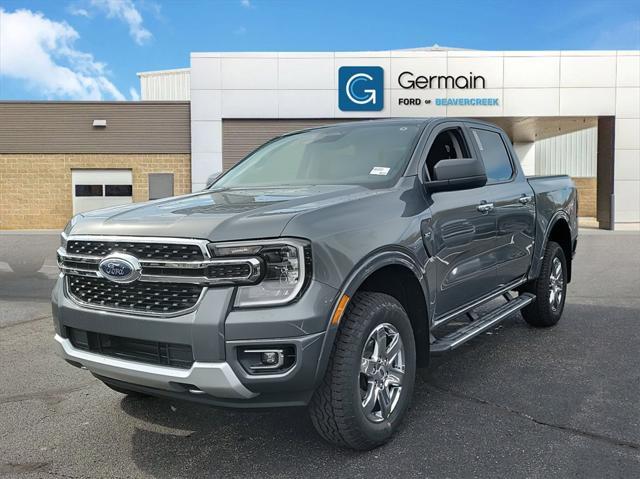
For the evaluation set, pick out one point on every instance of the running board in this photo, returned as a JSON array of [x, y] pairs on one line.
[[482, 324], [479, 302]]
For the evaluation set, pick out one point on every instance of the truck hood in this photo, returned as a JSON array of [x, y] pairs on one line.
[[217, 215]]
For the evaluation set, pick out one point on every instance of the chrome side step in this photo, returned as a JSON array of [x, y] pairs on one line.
[[482, 324]]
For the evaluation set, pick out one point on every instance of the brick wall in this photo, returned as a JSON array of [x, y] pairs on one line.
[[587, 196], [35, 190]]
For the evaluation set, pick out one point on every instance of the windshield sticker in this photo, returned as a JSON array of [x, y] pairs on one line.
[[379, 170]]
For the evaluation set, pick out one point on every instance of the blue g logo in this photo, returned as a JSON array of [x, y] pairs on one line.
[[360, 88], [120, 268]]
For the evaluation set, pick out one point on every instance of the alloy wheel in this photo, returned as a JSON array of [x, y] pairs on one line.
[[556, 284], [382, 371]]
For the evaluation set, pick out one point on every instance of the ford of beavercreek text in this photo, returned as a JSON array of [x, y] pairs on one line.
[[319, 271]]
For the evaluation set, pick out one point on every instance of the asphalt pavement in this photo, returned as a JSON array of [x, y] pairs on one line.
[[514, 402]]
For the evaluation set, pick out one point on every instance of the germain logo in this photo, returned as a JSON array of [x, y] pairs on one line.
[[120, 268], [408, 80], [360, 88]]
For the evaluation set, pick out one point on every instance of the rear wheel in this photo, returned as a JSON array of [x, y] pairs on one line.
[[550, 289], [369, 381]]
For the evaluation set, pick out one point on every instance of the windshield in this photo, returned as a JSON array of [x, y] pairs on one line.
[[364, 154]]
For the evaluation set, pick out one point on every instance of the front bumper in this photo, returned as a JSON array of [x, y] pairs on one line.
[[215, 331], [216, 379]]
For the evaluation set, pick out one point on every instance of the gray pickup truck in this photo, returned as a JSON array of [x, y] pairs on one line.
[[320, 271]]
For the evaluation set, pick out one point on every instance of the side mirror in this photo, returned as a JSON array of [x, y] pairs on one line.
[[459, 174], [211, 179]]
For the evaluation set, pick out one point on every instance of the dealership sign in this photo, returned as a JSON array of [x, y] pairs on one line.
[[362, 89], [408, 80]]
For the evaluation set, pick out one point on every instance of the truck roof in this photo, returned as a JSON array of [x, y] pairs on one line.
[[408, 120]]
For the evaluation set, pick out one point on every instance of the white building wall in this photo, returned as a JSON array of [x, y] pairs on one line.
[[531, 83], [166, 85], [527, 155], [627, 139]]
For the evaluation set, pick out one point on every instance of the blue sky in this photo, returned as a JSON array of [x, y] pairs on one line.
[[92, 49]]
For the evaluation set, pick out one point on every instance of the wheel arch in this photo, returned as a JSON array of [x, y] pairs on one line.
[[394, 272], [559, 230]]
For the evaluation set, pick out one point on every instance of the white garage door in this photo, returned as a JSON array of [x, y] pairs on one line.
[[94, 189]]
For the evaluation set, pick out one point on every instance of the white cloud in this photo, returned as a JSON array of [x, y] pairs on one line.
[[41, 52], [133, 93], [127, 12], [246, 3], [79, 12]]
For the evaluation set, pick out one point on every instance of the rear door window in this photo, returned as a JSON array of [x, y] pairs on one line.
[[494, 154]]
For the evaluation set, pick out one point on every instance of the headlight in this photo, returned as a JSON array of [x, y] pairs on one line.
[[287, 269]]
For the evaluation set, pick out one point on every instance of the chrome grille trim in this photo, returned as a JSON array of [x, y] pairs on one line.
[[79, 265], [254, 266]]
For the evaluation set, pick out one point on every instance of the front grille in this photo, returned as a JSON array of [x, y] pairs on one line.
[[229, 271], [147, 251], [166, 354], [136, 297], [222, 271]]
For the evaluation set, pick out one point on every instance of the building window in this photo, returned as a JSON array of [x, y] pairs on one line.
[[160, 185], [118, 190], [88, 190]]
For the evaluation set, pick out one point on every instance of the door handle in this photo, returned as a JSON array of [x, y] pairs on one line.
[[525, 199], [485, 207]]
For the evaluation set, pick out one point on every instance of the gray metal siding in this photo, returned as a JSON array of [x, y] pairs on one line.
[[573, 154], [174, 85], [240, 137], [67, 127]]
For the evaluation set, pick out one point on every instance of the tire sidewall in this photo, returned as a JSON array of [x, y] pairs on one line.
[[557, 252], [394, 314]]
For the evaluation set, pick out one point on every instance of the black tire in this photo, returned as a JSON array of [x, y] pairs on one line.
[[542, 313], [128, 392], [336, 408]]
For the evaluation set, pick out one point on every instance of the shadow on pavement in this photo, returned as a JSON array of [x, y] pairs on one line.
[[28, 268], [32, 286], [515, 379]]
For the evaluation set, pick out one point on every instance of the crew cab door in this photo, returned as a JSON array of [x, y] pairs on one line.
[[513, 201], [460, 233]]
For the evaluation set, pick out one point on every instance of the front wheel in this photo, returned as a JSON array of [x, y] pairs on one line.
[[550, 288], [369, 381]]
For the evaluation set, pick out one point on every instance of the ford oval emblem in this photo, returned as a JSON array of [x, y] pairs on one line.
[[120, 268]]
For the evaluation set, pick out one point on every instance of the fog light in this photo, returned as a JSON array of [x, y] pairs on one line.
[[266, 360], [270, 358]]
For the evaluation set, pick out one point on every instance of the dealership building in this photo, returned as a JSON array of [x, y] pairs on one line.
[[567, 112]]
